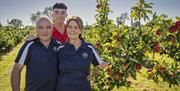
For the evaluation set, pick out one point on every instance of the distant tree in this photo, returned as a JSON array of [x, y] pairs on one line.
[[87, 27], [47, 11], [33, 18], [141, 10], [121, 19], [15, 23]]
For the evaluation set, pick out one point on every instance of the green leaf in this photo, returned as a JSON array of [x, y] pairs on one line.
[[133, 74]]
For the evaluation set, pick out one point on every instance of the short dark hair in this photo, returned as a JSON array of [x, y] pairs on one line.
[[59, 6]]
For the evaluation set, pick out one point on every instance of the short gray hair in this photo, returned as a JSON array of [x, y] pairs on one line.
[[42, 18]]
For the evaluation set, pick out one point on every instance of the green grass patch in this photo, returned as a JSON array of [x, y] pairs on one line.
[[6, 64]]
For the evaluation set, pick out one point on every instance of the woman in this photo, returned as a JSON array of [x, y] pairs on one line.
[[75, 58]]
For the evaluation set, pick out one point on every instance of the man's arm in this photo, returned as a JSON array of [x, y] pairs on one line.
[[16, 77]]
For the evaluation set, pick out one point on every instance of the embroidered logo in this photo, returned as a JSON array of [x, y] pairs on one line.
[[55, 49], [84, 55]]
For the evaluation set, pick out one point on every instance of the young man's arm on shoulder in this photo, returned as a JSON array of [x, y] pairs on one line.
[[30, 37]]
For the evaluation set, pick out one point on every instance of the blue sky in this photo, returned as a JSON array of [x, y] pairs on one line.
[[22, 9]]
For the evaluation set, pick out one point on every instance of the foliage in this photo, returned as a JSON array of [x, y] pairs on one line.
[[128, 47], [15, 23], [11, 36]]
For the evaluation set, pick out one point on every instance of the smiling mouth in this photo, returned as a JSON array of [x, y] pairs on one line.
[[60, 19], [72, 33], [44, 34]]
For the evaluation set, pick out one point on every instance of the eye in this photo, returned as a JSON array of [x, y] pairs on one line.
[[48, 27], [63, 12], [69, 26], [76, 27], [40, 27], [56, 12]]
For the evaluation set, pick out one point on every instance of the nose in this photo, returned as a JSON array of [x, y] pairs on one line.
[[45, 31]]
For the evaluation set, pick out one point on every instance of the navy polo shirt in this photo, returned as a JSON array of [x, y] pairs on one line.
[[41, 65], [74, 66]]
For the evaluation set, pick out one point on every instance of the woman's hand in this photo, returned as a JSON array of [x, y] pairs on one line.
[[103, 65]]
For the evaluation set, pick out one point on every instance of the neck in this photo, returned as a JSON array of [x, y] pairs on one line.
[[76, 42], [60, 27], [45, 42]]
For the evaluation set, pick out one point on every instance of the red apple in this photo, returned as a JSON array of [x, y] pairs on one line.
[[117, 37], [158, 32], [98, 45], [177, 23], [117, 75], [138, 66], [161, 69], [125, 65], [157, 47], [173, 29]]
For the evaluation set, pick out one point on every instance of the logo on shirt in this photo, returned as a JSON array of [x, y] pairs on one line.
[[55, 49], [84, 55]]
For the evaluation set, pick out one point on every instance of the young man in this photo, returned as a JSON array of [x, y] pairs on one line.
[[40, 58], [59, 15]]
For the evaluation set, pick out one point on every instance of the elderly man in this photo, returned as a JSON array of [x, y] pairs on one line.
[[40, 58]]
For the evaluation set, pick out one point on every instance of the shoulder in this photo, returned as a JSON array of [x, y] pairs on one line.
[[90, 45], [28, 44]]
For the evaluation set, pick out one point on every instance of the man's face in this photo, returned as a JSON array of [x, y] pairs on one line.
[[44, 29], [59, 15]]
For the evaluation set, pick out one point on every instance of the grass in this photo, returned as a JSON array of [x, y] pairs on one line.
[[6, 64], [141, 84]]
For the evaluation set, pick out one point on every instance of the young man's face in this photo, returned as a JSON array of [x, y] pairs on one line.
[[59, 15], [44, 30]]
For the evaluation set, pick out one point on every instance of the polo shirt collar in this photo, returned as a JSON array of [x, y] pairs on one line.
[[83, 44], [51, 44]]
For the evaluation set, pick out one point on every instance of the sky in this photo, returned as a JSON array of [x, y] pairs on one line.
[[86, 9]]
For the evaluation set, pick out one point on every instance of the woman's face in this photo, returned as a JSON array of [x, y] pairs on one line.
[[73, 30]]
